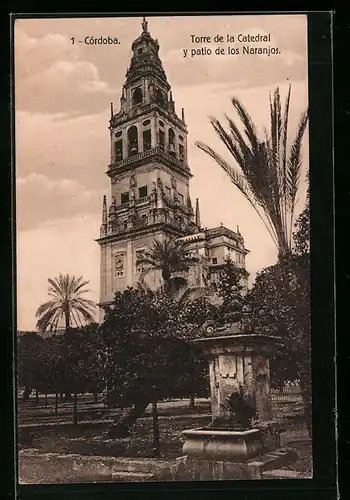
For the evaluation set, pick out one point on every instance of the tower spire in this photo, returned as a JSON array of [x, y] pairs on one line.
[[198, 217], [144, 25], [104, 210]]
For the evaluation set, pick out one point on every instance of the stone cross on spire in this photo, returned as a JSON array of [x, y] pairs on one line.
[[144, 25]]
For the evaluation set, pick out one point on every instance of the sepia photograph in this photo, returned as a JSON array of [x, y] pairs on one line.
[[162, 248]]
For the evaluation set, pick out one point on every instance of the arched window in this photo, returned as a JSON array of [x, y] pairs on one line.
[[171, 141], [160, 99], [147, 139], [137, 96], [181, 152], [133, 140], [118, 150]]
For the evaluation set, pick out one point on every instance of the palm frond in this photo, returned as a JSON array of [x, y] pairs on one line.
[[284, 154], [47, 306], [240, 182], [262, 173], [187, 294], [250, 129], [167, 256], [294, 165], [67, 302]]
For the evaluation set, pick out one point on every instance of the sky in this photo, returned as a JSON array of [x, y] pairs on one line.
[[63, 92]]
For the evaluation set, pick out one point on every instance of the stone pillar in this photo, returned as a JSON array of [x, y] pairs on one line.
[[241, 359], [153, 133], [139, 137], [125, 144], [129, 263], [111, 138]]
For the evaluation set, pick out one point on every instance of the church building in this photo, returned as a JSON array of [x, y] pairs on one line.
[[150, 183]]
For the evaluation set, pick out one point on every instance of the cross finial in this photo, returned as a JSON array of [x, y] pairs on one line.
[[144, 24]]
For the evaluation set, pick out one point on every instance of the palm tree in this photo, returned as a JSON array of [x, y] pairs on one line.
[[169, 256], [67, 304], [269, 171]]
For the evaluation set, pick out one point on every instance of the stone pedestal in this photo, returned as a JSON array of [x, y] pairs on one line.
[[241, 359], [215, 453]]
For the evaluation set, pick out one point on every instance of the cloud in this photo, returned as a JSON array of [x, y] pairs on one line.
[[69, 146], [51, 77], [40, 199], [32, 55]]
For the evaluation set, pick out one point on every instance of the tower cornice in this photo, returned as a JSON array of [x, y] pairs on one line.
[[156, 227]]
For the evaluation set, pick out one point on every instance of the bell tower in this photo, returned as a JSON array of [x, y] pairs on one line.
[[148, 171]]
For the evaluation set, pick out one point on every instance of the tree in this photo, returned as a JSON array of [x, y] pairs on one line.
[[50, 366], [167, 256], [67, 304], [147, 353], [268, 172], [284, 290], [82, 363], [229, 287], [301, 235], [28, 351]]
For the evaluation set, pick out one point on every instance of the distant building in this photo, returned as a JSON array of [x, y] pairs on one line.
[[150, 183]]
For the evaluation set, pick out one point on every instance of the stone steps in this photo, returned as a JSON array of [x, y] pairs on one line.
[[131, 477]]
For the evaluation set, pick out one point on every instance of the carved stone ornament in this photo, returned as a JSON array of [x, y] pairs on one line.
[[133, 181]]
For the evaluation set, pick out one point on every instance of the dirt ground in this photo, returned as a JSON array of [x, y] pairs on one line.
[[174, 417]]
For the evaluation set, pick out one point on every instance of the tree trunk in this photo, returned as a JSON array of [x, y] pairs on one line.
[[95, 397], [122, 427], [36, 396], [67, 319], [45, 399], [75, 408], [56, 404], [192, 404], [156, 440], [26, 393], [305, 387], [61, 397]]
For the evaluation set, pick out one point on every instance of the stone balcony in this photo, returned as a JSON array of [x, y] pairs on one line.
[[138, 224], [156, 153]]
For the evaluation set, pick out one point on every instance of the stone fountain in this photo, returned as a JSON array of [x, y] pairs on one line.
[[232, 447]]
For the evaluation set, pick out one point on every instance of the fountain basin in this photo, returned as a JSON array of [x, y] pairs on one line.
[[222, 444]]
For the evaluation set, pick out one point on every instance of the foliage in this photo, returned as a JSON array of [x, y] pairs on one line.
[[230, 288], [284, 290], [147, 354], [28, 349], [81, 352], [268, 173], [240, 411], [61, 363], [301, 235], [167, 256], [67, 304]]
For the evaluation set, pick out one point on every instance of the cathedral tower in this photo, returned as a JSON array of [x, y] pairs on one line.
[[149, 172]]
